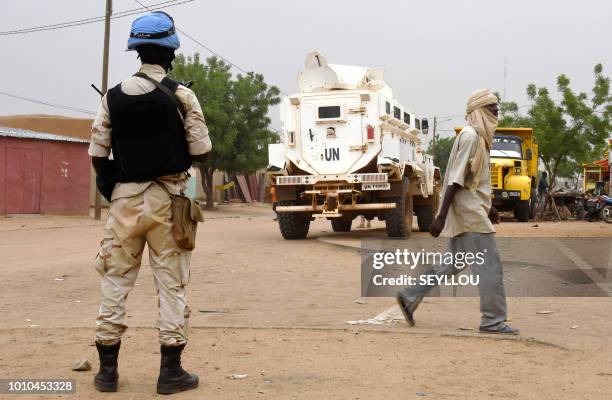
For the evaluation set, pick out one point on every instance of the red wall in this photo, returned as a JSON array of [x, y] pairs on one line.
[[65, 175]]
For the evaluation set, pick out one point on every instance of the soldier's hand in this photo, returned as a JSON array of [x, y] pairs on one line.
[[494, 215], [437, 226]]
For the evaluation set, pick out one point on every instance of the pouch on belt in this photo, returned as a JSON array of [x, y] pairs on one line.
[[186, 213]]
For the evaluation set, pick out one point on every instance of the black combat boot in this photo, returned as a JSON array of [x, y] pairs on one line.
[[106, 379], [172, 377]]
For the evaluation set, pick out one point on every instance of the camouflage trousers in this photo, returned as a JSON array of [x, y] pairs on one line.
[[132, 222]]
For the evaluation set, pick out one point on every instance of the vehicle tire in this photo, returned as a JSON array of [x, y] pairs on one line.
[[426, 213], [425, 216], [293, 225], [398, 220], [533, 204], [521, 210], [341, 225], [606, 214]]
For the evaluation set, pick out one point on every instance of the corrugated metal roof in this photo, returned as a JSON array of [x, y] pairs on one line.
[[24, 134]]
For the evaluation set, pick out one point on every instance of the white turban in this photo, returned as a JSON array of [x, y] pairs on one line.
[[484, 123]]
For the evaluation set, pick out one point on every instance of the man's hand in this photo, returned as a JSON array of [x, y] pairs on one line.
[[437, 226], [494, 215]]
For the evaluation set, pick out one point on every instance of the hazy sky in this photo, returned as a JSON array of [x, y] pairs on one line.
[[434, 52]]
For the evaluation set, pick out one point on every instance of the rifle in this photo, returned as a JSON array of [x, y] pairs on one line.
[[97, 90]]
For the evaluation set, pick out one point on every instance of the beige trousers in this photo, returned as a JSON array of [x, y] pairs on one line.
[[132, 222]]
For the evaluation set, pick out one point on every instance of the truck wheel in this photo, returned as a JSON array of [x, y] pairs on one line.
[[425, 216], [293, 225], [341, 225], [533, 204], [521, 210], [426, 213], [606, 214], [398, 220]]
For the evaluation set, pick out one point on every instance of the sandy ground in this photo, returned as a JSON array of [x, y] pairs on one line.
[[278, 310]]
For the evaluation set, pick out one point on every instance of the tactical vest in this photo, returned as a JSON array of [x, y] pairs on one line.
[[148, 136]]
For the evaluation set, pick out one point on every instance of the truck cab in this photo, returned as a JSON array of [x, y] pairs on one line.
[[514, 171]]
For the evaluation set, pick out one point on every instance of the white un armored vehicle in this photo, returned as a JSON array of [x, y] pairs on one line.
[[348, 149]]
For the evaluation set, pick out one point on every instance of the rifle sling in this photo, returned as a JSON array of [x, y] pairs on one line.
[[164, 89]]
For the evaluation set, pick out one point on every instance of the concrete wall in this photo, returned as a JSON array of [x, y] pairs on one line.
[[64, 175]]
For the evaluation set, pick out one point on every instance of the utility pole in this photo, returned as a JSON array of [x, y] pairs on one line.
[[109, 12], [505, 76]]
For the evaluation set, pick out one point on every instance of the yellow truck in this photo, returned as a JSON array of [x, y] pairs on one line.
[[514, 171]]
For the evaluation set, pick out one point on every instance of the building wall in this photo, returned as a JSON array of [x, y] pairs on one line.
[[56, 124], [64, 175]]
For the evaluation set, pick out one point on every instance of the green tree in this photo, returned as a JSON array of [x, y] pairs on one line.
[[236, 112], [570, 131], [441, 151], [509, 114]]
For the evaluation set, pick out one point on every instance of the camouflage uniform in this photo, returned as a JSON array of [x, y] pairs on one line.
[[132, 222], [140, 213]]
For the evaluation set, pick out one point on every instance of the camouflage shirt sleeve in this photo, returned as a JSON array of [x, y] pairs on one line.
[[100, 145], [195, 126]]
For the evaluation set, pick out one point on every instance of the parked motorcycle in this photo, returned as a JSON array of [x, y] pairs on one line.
[[599, 208], [606, 211]]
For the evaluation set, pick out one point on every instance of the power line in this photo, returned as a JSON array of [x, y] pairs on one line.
[[70, 108], [86, 21], [208, 48], [199, 43], [92, 20], [78, 20], [451, 116]]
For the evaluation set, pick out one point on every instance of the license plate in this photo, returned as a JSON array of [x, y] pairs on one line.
[[376, 186]]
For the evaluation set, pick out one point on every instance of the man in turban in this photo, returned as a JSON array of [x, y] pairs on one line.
[[467, 217]]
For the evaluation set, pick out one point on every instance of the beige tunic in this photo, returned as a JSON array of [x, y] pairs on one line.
[[469, 211], [195, 127]]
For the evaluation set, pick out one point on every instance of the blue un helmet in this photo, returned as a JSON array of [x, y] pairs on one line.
[[155, 28]]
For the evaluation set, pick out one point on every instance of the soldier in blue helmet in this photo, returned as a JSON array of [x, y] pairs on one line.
[[155, 129]]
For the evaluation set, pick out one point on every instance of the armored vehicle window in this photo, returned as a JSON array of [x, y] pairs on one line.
[[397, 113], [388, 108], [417, 123], [329, 112], [407, 118]]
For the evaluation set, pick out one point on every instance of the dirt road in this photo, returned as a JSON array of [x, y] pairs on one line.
[[278, 310]]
